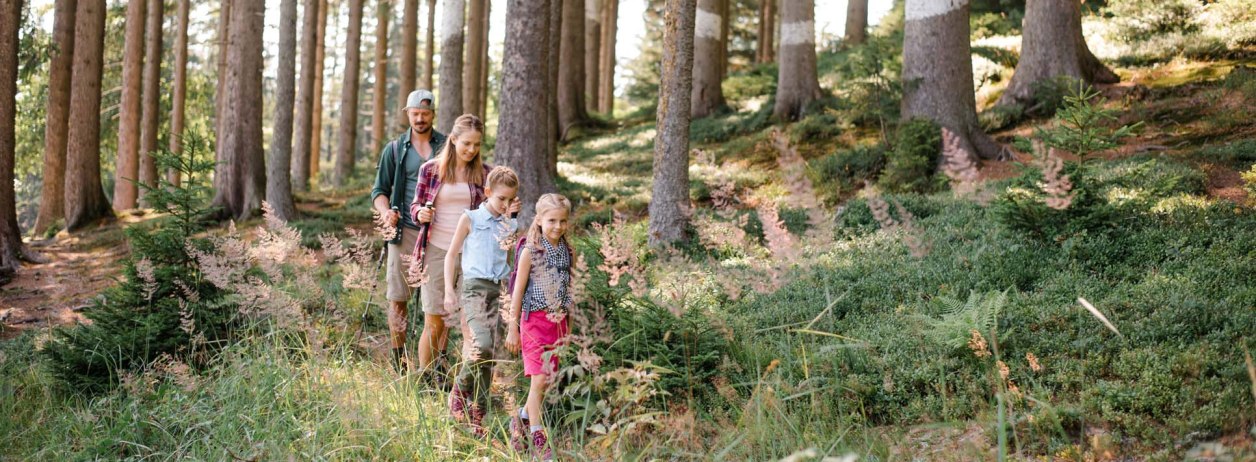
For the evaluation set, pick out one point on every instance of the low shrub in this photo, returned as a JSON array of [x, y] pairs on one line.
[[842, 173], [911, 161], [818, 126]]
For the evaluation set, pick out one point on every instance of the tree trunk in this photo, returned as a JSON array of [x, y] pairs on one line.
[[857, 22], [472, 67], [10, 235], [279, 160], [765, 50], [571, 111], [725, 21], [429, 55], [240, 179], [127, 167], [409, 53], [796, 82], [347, 139], [303, 130], [308, 167], [592, 51], [1052, 45], [52, 194], [150, 118], [85, 201], [378, 107], [224, 13], [669, 204], [452, 25], [180, 91], [707, 97], [606, 64], [484, 68], [525, 57], [554, 43], [938, 72]]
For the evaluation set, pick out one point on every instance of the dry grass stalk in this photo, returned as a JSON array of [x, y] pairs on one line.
[[1057, 185], [1098, 315], [961, 167]]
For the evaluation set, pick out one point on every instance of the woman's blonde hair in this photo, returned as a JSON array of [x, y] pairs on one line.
[[449, 154], [546, 203]]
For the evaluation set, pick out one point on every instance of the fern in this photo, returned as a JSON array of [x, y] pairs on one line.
[[959, 318]]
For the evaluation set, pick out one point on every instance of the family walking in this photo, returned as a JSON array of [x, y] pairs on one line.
[[456, 221]]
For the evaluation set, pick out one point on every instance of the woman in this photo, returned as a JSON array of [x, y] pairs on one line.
[[448, 185]]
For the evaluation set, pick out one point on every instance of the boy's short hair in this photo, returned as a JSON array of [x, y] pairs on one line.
[[501, 176]]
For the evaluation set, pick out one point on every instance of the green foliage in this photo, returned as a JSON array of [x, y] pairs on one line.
[[1238, 152], [1249, 183], [1243, 79], [756, 82], [959, 318], [842, 173], [1050, 95], [994, 23], [868, 78], [911, 161], [162, 304], [1083, 127], [1022, 208], [1141, 20], [720, 128], [817, 126], [689, 346]]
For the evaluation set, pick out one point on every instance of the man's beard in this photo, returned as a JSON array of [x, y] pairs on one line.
[[421, 129]]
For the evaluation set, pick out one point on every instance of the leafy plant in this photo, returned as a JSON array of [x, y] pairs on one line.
[[960, 318], [911, 161]]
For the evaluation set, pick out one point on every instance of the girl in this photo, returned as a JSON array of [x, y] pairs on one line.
[[478, 239], [539, 304], [447, 186]]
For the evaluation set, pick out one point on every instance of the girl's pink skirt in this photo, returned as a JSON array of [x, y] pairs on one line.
[[537, 336]]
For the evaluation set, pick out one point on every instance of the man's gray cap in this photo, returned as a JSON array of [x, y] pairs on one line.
[[415, 100]]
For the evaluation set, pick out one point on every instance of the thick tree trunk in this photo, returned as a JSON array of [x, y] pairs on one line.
[[151, 118], [571, 110], [938, 72], [240, 180], [707, 97], [472, 67], [429, 53], [669, 204], [180, 91], [127, 166], [10, 235], [555, 46], [224, 39], [606, 64], [52, 194], [309, 165], [765, 51], [409, 53], [525, 57], [347, 139], [452, 35], [796, 83], [85, 201], [303, 129], [856, 22], [279, 159], [484, 68], [592, 51], [1052, 45], [725, 21], [379, 133]]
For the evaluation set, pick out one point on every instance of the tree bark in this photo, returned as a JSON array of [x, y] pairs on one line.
[[726, 20], [308, 162], [52, 194], [409, 53], [606, 64], [938, 72], [240, 179], [796, 83], [525, 57], [707, 97], [592, 51], [669, 204], [151, 118], [571, 110], [347, 139], [429, 55], [125, 191], [484, 68], [10, 235], [303, 129], [224, 39], [765, 50], [85, 201], [554, 44], [180, 91], [279, 159], [1052, 45], [379, 134], [856, 22], [452, 35], [473, 66]]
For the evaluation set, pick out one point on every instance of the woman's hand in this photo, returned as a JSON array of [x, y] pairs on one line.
[[512, 339], [424, 215]]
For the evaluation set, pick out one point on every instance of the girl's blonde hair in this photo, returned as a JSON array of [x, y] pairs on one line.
[[501, 177], [449, 154], [546, 203]]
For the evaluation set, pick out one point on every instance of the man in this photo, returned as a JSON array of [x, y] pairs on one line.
[[395, 183]]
